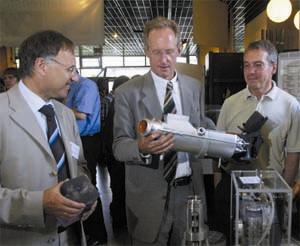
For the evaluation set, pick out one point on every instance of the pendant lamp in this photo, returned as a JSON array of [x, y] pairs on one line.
[[297, 20], [279, 10]]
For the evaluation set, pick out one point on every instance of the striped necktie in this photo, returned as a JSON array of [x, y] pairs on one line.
[[55, 141], [170, 157]]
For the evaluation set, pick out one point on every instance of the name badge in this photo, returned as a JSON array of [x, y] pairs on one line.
[[75, 149]]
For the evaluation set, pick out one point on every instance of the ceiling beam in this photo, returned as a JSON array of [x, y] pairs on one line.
[[170, 9]]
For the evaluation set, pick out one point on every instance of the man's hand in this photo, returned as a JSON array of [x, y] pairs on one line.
[[56, 204], [79, 115], [296, 188], [156, 143]]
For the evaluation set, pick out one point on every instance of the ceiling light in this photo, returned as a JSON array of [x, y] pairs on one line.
[[297, 20], [279, 10], [115, 35]]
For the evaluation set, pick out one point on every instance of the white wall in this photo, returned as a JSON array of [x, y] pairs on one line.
[[80, 20]]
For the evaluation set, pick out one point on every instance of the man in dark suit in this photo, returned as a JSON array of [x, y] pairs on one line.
[[32, 209], [156, 196]]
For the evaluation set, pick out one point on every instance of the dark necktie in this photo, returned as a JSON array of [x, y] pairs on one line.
[[170, 157], [55, 141]]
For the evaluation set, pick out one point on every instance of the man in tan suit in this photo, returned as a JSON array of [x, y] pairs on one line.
[[31, 206]]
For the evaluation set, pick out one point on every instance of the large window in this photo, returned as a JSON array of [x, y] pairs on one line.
[[109, 61], [193, 60], [90, 72], [91, 63], [134, 61], [128, 71], [181, 59]]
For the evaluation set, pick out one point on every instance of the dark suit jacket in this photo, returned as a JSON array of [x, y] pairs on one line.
[[27, 168], [146, 188]]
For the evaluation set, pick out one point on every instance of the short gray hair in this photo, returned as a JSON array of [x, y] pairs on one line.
[[267, 46]]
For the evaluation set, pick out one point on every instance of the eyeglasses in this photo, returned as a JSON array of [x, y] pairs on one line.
[[72, 69], [258, 66], [159, 53]]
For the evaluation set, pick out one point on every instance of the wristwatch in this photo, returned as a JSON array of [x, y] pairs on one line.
[[146, 158]]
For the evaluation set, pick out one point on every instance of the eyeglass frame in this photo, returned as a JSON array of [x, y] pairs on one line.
[[257, 66], [72, 69], [158, 53]]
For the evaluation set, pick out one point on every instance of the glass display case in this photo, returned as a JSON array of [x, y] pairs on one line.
[[261, 208]]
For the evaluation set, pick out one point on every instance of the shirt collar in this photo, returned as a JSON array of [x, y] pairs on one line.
[[271, 94], [161, 81], [34, 101]]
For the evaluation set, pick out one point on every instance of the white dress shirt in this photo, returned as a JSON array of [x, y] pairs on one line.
[[183, 167], [35, 102]]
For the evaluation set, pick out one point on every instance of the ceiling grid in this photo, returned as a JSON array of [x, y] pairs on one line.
[[124, 21]]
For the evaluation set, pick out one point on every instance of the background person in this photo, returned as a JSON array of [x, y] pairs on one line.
[[10, 77]]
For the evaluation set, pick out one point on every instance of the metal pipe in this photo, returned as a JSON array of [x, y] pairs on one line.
[[199, 141]]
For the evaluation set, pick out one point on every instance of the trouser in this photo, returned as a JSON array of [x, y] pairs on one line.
[[174, 220], [94, 226], [116, 171], [91, 148]]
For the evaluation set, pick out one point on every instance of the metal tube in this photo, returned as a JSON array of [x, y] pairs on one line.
[[199, 141]]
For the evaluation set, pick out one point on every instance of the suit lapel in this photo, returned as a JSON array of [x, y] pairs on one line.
[[150, 98], [62, 126], [186, 95], [22, 115]]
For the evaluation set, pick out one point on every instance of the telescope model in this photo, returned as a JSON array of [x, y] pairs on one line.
[[199, 141]]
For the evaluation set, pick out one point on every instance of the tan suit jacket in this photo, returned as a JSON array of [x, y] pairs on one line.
[[146, 188], [27, 168]]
